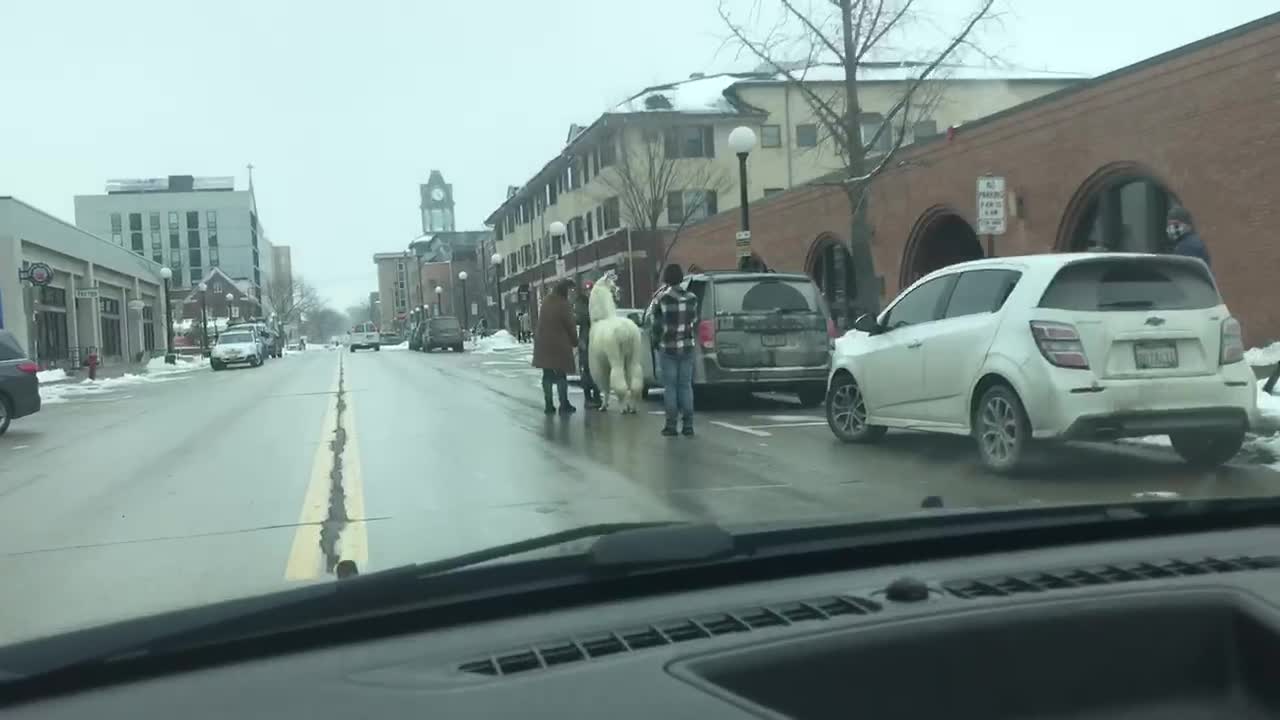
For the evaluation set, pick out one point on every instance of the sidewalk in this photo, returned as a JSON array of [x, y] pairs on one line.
[[113, 370]]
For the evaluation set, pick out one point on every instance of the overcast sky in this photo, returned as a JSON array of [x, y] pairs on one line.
[[343, 108]]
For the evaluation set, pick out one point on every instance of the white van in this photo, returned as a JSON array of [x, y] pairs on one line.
[[364, 335]]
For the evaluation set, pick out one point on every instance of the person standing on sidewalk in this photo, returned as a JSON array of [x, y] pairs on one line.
[[553, 344], [1183, 238], [674, 319], [525, 327], [582, 311]]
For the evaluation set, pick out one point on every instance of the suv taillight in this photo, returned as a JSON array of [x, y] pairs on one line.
[[28, 367], [707, 334], [1232, 346], [1060, 344]]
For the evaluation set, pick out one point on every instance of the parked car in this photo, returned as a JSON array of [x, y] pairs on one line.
[[364, 335], [238, 345], [1051, 347], [271, 342], [19, 386], [756, 332], [388, 338], [442, 331]]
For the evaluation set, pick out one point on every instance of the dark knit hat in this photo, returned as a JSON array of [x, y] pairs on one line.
[[1179, 213]]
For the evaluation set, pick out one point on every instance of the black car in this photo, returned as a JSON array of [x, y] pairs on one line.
[[19, 387]]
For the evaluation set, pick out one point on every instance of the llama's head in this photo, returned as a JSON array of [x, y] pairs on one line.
[[602, 302]]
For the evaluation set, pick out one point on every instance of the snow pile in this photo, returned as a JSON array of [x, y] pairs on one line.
[[182, 364], [402, 346], [500, 341], [1269, 355], [51, 376]]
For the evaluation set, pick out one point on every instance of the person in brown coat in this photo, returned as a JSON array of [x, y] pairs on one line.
[[553, 344]]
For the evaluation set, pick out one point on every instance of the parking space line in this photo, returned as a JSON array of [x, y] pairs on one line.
[[742, 429], [815, 423]]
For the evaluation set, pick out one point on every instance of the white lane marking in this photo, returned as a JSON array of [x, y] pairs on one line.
[[740, 428], [813, 423], [787, 418], [21, 447], [731, 487]]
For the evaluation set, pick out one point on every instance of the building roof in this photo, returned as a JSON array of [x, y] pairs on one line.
[[712, 95]]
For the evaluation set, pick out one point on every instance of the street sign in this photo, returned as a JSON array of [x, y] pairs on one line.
[[87, 293], [742, 241], [991, 212]]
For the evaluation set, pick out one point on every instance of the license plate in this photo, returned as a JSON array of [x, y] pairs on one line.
[[774, 339], [1155, 355]]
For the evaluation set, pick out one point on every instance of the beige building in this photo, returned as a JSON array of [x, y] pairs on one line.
[[398, 288], [661, 158]]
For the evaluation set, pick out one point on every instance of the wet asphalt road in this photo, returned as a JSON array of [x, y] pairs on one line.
[[208, 486]]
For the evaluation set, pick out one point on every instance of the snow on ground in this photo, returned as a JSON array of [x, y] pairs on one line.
[[402, 346], [1262, 448], [157, 371], [1269, 355], [500, 341], [51, 376]]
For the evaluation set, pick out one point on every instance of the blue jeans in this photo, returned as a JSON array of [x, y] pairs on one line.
[[677, 385]]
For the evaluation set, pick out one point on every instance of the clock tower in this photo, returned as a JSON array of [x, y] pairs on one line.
[[436, 204]]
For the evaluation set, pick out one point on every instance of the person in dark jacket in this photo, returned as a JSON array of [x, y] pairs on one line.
[[1183, 238], [553, 344], [583, 312]]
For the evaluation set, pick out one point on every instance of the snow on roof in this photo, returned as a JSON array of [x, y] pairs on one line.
[[698, 94], [706, 94], [908, 70]]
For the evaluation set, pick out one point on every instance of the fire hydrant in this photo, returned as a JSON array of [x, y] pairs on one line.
[[92, 362]]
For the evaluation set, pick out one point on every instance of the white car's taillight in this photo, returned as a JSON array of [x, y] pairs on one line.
[[1060, 344], [1232, 342]]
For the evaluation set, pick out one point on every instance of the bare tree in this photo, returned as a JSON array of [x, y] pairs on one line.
[[848, 34], [644, 177], [291, 298]]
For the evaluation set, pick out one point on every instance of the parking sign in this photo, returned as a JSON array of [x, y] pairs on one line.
[[991, 212]]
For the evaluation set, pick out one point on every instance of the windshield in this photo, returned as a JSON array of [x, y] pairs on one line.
[[284, 284]]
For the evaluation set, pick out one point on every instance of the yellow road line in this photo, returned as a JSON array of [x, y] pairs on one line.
[[306, 562], [354, 541]]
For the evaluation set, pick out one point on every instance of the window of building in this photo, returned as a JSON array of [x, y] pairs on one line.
[[591, 225], [213, 256], [117, 238], [157, 257], [769, 192], [213, 238], [177, 276], [115, 223], [770, 136], [806, 135], [697, 141], [135, 221], [608, 150], [173, 221], [193, 238], [193, 219], [870, 124], [193, 256], [612, 213], [135, 241], [155, 241], [173, 240], [690, 205], [924, 129], [196, 274], [600, 219], [211, 219], [154, 221]]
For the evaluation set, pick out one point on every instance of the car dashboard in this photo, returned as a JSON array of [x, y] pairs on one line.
[[1176, 627]]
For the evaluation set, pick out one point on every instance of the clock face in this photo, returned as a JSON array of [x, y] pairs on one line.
[[437, 194]]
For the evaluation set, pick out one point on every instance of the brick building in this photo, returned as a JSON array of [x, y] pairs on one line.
[[1093, 165]]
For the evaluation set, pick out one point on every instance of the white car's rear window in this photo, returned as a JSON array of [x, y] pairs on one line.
[[1121, 284]]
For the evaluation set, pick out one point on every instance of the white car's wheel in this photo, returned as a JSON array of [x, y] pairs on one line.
[[1206, 449], [1001, 427], [847, 412]]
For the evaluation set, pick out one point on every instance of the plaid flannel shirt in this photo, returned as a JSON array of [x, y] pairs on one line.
[[674, 318]]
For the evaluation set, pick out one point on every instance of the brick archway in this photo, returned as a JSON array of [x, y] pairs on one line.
[[1121, 206], [830, 264], [940, 237]]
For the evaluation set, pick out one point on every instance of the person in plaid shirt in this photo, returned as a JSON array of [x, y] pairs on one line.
[[675, 317]]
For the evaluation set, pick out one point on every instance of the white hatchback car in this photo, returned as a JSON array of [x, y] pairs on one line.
[[1083, 346]]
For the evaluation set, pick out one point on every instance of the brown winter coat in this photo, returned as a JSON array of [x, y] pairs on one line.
[[556, 336]]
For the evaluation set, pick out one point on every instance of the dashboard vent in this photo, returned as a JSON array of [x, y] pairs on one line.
[[1104, 575], [595, 645]]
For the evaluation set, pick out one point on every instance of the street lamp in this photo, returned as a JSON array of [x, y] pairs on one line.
[[439, 291], [741, 141], [496, 259], [466, 315], [557, 230], [229, 298], [169, 357], [204, 319]]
